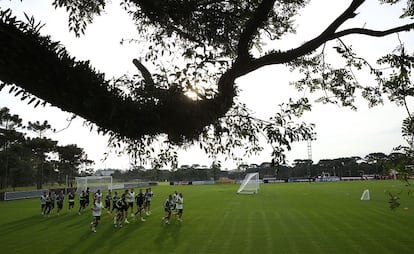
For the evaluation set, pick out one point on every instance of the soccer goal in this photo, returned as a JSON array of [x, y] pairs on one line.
[[250, 184], [365, 195], [94, 183]]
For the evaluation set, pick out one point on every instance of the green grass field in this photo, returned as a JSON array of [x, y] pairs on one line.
[[282, 218]]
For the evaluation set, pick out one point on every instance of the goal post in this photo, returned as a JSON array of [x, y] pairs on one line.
[[94, 183], [250, 184]]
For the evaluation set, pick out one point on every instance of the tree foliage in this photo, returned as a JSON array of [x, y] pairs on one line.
[[27, 161], [191, 98]]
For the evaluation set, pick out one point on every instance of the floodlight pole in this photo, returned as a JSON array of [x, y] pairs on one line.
[[309, 156]]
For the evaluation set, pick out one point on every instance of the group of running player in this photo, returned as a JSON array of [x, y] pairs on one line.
[[123, 206], [119, 207], [49, 200], [173, 203]]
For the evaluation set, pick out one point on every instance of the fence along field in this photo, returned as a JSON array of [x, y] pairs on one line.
[[281, 218]]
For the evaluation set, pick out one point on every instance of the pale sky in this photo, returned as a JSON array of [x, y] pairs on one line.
[[340, 132]]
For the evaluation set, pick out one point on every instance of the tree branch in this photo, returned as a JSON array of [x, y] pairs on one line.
[[252, 25], [287, 56], [375, 33], [144, 71]]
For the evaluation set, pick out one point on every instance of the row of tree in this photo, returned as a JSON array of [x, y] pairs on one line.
[[378, 164], [35, 160]]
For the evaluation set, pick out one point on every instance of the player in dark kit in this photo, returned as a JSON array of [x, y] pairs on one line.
[[82, 201], [59, 201], [71, 199], [115, 198], [167, 208], [140, 198], [108, 199], [121, 206], [87, 197]]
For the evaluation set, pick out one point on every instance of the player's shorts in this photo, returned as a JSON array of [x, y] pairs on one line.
[[180, 211], [130, 204], [97, 217]]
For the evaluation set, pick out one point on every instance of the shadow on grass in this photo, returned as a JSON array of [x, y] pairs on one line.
[[168, 236]]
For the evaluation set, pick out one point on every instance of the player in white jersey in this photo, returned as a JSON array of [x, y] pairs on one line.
[[96, 212], [98, 194], [130, 198], [179, 205], [148, 196]]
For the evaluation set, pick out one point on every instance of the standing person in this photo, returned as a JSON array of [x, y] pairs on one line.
[[59, 200], [179, 206], [108, 198], [167, 209], [148, 196], [96, 212], [82, 201], [71, 199], [43, 203], [140, 198]]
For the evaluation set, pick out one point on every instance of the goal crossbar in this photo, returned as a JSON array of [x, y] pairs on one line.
[[94, 183]]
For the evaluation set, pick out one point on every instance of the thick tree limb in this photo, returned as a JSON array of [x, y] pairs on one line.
[[46, 70]]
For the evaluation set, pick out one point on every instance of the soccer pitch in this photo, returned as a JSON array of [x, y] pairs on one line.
[[281, 218]]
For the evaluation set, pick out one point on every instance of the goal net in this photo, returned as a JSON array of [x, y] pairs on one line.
[[94, 183], [365, 195], [250, 184]]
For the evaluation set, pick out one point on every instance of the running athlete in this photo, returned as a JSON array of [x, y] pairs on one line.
[[120, 206], [96, 212], [108, 199], [179, 206], [48, 204], [82, 202], [43, 203], [52, 201], [167, 209], [130, 198], [71, 199], [98, 194], [87, 196], [59, 201], [140, 198], [127, 197], [115, 198], [174, 199], [148, 196]]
